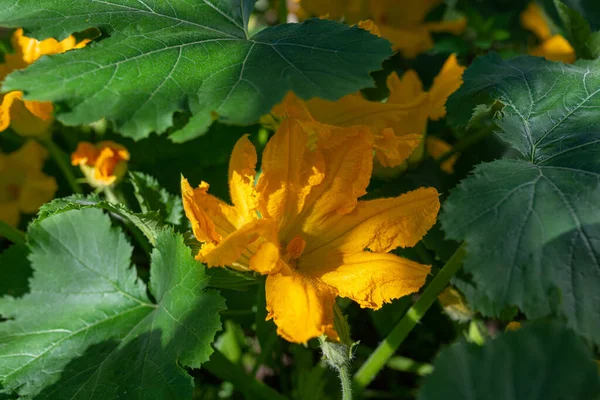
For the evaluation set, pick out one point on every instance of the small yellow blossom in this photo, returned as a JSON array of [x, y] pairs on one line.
[[29, 118], [303, 225], [401, 22], [23, 185], [552, 47], [103, 164]]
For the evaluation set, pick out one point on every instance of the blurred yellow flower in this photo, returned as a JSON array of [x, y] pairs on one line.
[[552, 47], [401, 22], [23, 185], [29, 118], [303, 225], [103, 163]]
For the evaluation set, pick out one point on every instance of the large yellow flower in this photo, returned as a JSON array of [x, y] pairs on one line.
[[399, 124], [303, 225], [103, 163], [23, 185], [28, 118], [401, 22], [552, 47]]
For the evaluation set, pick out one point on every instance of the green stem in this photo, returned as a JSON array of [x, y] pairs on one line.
[[13, 234], [390, 344], [61, 160], [225, 370], [346, 380], [282, 11]]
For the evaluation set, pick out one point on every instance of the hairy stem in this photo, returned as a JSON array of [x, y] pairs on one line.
[[390, 344], [346, 380]]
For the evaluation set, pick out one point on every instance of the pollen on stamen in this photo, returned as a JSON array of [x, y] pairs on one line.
[[295, 247]]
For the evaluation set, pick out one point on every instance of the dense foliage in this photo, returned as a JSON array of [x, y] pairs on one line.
[[273, 199]]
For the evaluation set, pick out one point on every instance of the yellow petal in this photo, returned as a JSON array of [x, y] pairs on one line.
[[41, 109], [7, 101], [372, 279], [436, 148], [290, 169], [242, 170], [369, 25], [354, 110], [85, 154], [405, 90], [30, 156], [445, 83], [37, 190], [455, 27], [380, 225], [194, 204], [533, 19], [9, 213], [28, 124], [393, 150], [348, 157], [110, 165], [241, 245], [557, 48], [410, 42], [300, 308], [266, 258]]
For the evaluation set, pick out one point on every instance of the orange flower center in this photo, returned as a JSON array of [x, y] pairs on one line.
[[295, 247]]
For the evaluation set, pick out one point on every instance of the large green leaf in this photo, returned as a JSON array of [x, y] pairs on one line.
[[149, 223], [541, 361], [532, 224], [589, 9], [159, 57], [87, 329]]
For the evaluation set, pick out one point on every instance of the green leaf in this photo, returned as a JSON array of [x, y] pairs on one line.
[[541, 361], [532, 224], [156, 58], [589, 9], [578, 31], [153, 197], [15, 271], [87, 328], [149, 223]]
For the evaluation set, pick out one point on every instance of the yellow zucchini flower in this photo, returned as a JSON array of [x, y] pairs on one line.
[[399, 124], [552, 47], [23, 185], [303, 226], [103, 163], [401, 22], [29, 118]]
